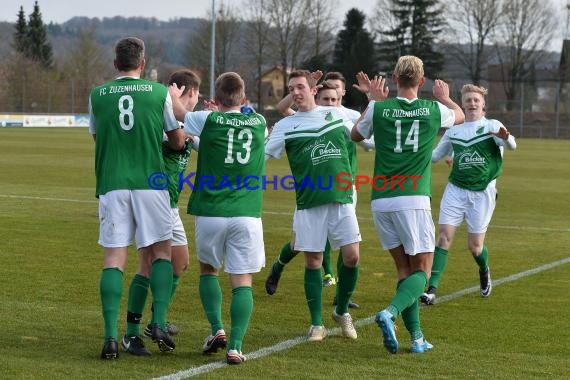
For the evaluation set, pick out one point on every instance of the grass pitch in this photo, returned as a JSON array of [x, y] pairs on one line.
[[51, 263]]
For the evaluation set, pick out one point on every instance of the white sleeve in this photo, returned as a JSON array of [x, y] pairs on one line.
[[443, 148], [447, 116], [509, 143], [91, 119], [364, 126], [170, 122], [275, 144], [367, 144], [195, 143], [194, 122]]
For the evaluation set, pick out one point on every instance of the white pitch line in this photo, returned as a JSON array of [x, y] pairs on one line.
[[46, 199], [361, 322]]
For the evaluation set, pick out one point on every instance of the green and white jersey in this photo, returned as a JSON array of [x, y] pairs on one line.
[[316, 147], [175, 163], [129, 116], [231, 163], [477, 156], [404, 132]]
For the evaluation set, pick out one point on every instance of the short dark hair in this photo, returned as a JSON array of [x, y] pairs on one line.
[[335, 75], [230, 89], [129, 53], [303, 74], [186, 78]]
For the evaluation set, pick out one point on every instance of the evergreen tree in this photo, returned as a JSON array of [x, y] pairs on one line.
[[20, 43], [418, 24], [40, 49], [354, 51], [317, 62]]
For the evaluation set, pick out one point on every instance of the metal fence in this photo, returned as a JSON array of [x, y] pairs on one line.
[[540, 109]]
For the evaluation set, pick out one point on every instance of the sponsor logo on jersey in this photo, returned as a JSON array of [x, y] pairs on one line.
[[469, 159], [323, 152]]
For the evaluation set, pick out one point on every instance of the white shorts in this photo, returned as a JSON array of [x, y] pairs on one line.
[[476, 207], [336, 221], [354, 197], [144, 215], [235, 242], [178, 232], [413, 229]]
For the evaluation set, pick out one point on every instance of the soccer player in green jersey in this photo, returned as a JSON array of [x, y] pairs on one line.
[[329, 93], [315, 140], [405, 129], [471, 193], [128, 117], [226, 200], [175, 163]]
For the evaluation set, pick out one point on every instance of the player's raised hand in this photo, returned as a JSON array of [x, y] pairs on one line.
[[502, 133], [378, 89], [317, 75], [175, 91], [210, 105], [440, 90], [363, 82]]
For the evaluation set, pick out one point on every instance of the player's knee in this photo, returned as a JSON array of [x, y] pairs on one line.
[[350, 260], [475, 248], [444, 241]]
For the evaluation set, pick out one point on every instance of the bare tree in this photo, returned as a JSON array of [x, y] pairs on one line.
[[526, 31], [474, 22], [86, 65], [155, 55], [383, 11], [290, 23], [256, 41], [227, 34], [322, 22]]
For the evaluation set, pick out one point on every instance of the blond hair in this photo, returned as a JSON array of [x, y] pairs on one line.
[[473, 88], [409, 71]]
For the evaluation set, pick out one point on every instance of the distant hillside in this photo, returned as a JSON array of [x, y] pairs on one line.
[[174, 34]]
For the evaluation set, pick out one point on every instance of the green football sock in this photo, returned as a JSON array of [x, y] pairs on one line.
[[241, 308], [161, 287], [411, 318], [175, 281], [347, 278], [138, 292], [483, 260], [286, 255], [314, 295], [327, 263], [211, 297], [111, 291], [439, 262], [407, 293]]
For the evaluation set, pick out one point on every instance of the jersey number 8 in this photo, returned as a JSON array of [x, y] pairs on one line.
[[126, 117]]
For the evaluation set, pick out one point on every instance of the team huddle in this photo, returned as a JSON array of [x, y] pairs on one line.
[[150, 128]]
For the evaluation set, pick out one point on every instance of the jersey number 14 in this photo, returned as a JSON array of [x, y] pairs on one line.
[[412, 138]]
